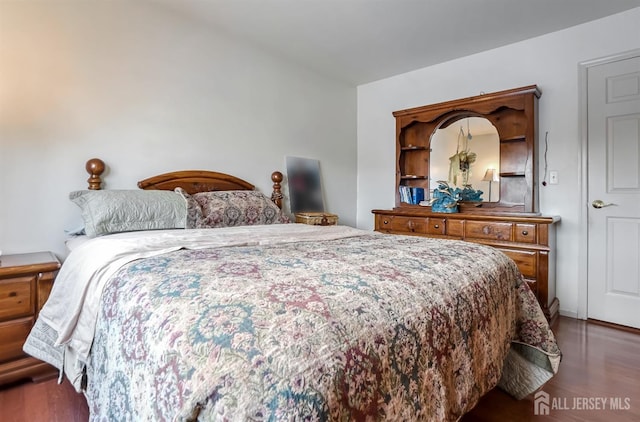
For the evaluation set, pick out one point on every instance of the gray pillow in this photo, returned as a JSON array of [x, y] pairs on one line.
[[114, 211]]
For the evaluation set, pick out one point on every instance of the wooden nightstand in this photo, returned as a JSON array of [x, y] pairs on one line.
[[317, 218], [25, 284]]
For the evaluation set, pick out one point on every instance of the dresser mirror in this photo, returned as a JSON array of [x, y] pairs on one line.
[[477, 136]]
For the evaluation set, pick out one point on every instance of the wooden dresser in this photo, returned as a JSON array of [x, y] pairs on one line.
[[528, 240], [508, 146], [25, 284]]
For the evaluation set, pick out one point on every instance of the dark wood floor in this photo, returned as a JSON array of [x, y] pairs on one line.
[[599, 362]]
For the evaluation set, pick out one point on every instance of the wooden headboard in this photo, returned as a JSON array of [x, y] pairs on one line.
[[192, 181]]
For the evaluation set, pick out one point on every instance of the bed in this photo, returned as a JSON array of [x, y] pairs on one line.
[[283, 321]]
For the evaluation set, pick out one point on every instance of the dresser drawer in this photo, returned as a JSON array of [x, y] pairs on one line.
[[487, 230], [437, 226], [533, 285], [15, 297], [455, 228], [525, 233], [527, 261], [12, 336], [403, 224]]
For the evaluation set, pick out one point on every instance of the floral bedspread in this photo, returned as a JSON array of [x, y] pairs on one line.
[[361, 328]]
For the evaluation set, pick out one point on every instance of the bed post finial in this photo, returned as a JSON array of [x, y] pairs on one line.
[[276, 195], [95, 167]]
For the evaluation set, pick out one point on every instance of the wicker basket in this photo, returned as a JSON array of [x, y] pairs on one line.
[[317, 218]]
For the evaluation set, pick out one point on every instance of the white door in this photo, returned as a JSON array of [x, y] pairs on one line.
[[613, 113]]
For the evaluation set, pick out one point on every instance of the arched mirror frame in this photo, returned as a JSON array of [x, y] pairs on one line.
[[434, 140], [514, 115]]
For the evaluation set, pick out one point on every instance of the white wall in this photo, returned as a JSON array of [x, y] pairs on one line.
[[149, 91], [551, 62]]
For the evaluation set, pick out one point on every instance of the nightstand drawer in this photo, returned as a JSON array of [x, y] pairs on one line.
[[12, 336], [16, 297], [45, 284], [487, 230]]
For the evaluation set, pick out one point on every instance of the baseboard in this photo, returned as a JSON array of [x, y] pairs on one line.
[[616, 326], [569, 314]]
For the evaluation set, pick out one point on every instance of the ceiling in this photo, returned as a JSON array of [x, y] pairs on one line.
[[360, 41]]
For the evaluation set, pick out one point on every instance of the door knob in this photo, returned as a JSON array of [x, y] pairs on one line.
[[598, 203]]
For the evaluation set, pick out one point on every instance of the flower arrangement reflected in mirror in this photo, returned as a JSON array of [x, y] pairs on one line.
[[460, 162]]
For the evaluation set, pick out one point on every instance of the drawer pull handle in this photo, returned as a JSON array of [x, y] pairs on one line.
[[524, 232], [436, 226], [385, 222], [411, 225], [13, 294], [486, 230]]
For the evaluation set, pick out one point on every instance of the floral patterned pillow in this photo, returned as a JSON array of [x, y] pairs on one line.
[[231, 208]]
